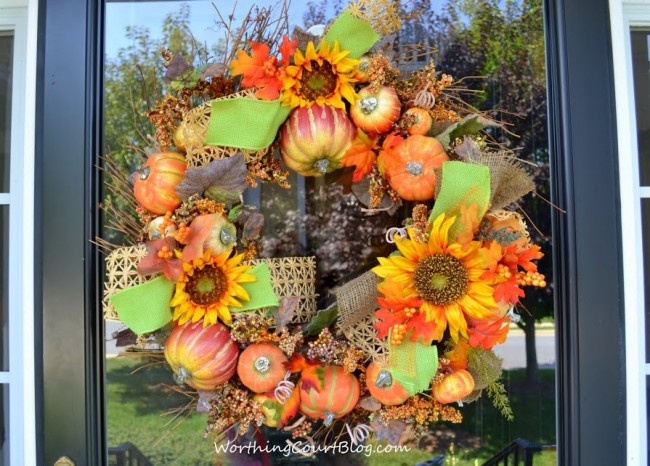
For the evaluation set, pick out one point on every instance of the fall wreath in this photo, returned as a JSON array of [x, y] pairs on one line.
[[404, 344]]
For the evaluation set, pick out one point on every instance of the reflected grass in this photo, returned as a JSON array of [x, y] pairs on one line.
[[137, 401]]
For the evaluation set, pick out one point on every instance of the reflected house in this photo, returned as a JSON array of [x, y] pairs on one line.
[[52, 365]]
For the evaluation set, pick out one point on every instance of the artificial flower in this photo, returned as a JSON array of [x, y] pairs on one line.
[[287, 49], [487, 333], [361, 154], [402, 310], [259, 70], [320, 76], [161, 258], [446, 276], [210, 285]]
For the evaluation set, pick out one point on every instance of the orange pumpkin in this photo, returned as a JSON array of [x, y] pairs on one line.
[[327, 393], [156, 181], [201, 357], [409, 165], [383, 387], [421, 121], [454, 387], [261, 367]]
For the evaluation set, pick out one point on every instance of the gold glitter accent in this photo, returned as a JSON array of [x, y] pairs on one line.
[[440, 279]]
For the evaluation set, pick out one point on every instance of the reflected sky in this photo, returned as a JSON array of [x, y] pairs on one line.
[[203, 18]]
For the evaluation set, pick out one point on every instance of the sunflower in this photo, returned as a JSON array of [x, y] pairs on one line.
[[445, 276], [208, 286], [322, 76]]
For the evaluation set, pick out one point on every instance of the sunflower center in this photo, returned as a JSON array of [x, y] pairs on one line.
[[206, 286], [320, 81], [440, 279]]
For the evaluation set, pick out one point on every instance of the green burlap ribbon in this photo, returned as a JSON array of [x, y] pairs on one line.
[[245, 123], [251, 124], [260, 291], [145, 308], [353, 34], [413, 364], [463, 184]]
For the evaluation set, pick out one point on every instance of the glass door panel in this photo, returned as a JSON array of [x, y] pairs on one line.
[[324, 218]]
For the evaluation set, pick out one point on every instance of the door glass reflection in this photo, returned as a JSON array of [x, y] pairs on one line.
[[322, 217]]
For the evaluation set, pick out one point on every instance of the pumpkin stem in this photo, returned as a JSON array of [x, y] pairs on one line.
[[262, 364], [384, 379], [322, 165], [144, 174], [414, 168], [368, 104], [227, 235], [328, 419], [182, 375]]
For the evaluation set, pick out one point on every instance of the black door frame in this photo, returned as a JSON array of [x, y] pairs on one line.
[[70, 360], [588, 269]]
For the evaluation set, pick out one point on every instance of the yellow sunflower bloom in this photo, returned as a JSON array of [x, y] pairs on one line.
[[208, 286], [445, 275], [320, 76]]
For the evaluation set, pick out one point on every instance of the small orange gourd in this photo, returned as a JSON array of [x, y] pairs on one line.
[[383, 387], [409, 166], [454, 387], [421, 121], [261, 367]]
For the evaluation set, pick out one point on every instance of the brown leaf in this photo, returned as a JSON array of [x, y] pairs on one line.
[[468, 150], [203, 403], [125, 337], [370, 404], [253, 226], [391, 432], [303, 37], [217, 69], [285, 312], [361, 191], [177, 68], [222, 180]]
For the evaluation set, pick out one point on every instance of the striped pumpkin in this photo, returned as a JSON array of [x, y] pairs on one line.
[[156, 181], [335, 395], [314, 139], [201, 357]]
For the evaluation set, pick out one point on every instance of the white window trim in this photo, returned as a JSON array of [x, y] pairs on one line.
[[20, 377], [623, 17]]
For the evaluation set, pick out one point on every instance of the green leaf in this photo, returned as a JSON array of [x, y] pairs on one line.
[[235, 212], [469, 126], [324, 318]]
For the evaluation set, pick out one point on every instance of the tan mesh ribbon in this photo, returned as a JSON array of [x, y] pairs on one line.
[[357, 299]]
